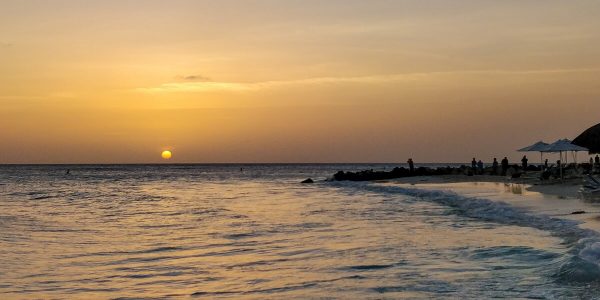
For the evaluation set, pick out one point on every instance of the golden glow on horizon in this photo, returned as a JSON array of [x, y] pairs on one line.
[[287, 81], [166, 154]]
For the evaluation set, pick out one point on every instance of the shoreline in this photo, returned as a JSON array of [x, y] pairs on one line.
[[567, 189]]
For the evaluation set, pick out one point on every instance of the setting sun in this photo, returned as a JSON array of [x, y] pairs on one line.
[[426, 141], [166, 154]]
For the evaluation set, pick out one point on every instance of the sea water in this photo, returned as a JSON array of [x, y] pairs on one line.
[[255, 232]]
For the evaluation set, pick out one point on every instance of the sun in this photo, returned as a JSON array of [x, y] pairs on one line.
[[166, 154]]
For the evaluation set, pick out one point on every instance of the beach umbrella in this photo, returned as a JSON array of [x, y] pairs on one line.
[[590, 139], [536, 147], [539, 146], [561, 146]]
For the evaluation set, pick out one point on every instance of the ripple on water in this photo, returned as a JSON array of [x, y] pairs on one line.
[[123, 232]]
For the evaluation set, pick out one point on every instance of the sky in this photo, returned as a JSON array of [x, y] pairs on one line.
[[293, 81]]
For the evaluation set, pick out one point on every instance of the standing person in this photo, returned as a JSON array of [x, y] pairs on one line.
[[480, 167], [474, 165], [524, 161], [495, 167], [411, 165], [546, 164], [504, 166]]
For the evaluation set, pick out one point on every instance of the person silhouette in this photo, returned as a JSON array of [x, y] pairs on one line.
[[474, 164], [504, 166], [524, 161], [495, 167], [480, 167], [411, 166]]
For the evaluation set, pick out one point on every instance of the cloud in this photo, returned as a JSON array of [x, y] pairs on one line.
[[194, 78], [204, 86], [208, 86]]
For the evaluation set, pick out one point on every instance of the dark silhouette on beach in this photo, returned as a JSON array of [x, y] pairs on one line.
[[504, 164], [495, 167], [399, 172]]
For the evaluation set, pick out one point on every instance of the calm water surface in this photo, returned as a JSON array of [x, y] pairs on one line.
[[215, 231]]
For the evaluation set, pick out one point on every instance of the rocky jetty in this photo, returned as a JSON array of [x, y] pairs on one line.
[[400, 172]]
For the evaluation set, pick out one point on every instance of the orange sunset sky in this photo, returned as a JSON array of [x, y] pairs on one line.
[[293, 81]]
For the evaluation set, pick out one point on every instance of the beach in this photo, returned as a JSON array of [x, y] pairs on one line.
[[340, 149], [559, 199], [567, 189]]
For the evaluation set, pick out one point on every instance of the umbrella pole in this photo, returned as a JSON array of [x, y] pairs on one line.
[[560, 165]]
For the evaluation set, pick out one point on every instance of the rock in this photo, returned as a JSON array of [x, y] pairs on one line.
[[578, 212], [308, 180], [511, 171]]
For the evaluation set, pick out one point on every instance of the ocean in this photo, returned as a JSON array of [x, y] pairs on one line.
[[252, 231]]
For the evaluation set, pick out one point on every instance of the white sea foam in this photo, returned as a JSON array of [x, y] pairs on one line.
[[583, 261]]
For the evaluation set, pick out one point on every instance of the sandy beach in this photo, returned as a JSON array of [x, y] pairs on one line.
[[569, 188], [553, 198]]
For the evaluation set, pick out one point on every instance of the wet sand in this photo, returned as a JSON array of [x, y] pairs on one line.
[[552, 198], [569, 188]]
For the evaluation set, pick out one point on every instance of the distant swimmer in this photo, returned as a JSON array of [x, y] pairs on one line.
[[68, 172]]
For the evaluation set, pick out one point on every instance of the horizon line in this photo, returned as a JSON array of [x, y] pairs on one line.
[[227, 163]]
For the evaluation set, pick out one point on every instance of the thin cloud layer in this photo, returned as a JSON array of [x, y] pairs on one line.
[[208, 86]]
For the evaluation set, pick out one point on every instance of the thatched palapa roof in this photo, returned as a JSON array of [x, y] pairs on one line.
[[589, 139]]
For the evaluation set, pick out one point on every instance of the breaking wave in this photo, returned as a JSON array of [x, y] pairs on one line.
[[580, 264]]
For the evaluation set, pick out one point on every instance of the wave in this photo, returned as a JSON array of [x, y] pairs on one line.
[[580, 264]]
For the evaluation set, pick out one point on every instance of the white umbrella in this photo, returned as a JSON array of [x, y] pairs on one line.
[[561, 146], [539, 146]]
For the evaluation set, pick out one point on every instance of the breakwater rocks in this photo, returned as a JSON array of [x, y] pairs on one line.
[[400, 172]]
